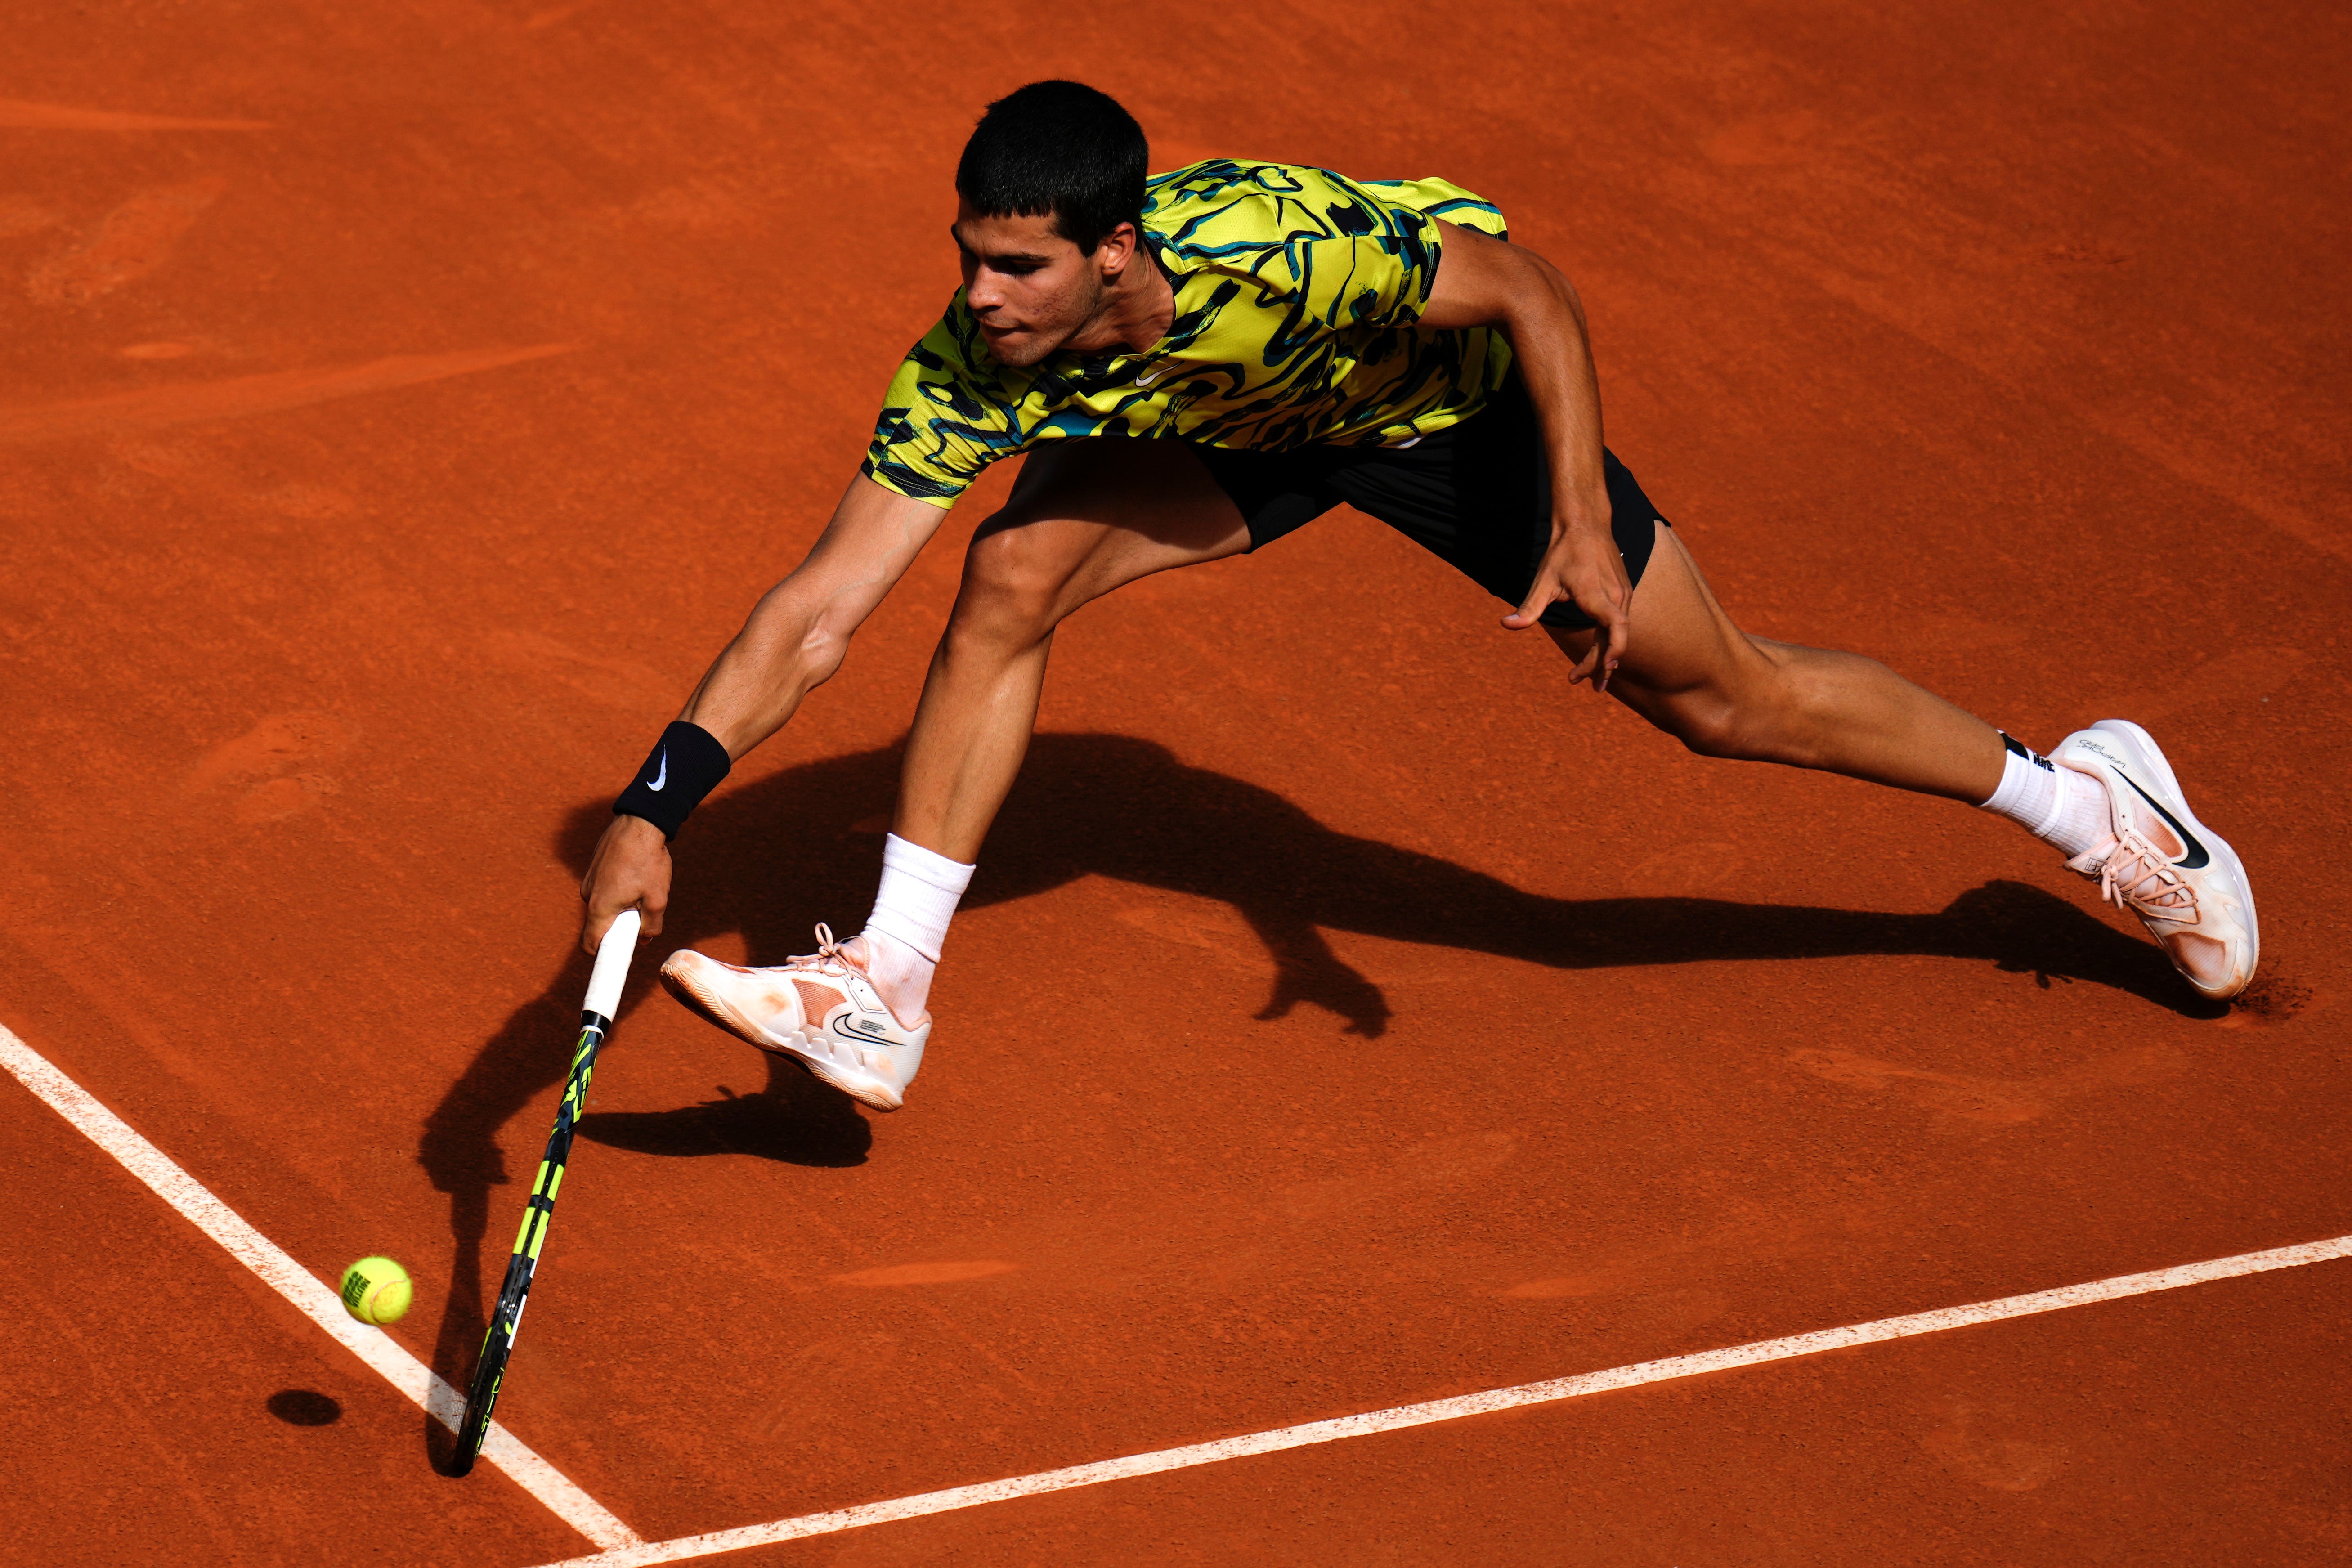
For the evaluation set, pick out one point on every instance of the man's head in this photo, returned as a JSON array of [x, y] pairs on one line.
[[1051, 188]]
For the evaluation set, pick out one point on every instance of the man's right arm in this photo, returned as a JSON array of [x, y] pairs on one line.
[[792, 642]]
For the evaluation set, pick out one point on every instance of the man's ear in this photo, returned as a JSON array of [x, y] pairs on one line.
[[1119, 249]]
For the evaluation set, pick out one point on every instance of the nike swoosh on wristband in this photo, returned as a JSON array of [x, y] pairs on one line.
[[662, 776], [2196, 858]]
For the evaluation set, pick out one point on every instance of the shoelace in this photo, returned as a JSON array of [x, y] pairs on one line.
[[2138, 876], [827, 950]]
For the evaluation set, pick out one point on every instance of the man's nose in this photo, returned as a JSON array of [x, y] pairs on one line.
[[985, 291]]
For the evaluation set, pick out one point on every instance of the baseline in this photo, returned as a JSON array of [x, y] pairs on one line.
[[1403, 1416], [312, 1298]]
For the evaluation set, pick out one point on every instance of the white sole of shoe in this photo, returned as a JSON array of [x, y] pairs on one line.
[[2216, 846], [793, 1044]]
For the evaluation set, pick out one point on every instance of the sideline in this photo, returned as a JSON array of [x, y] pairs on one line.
[[622, 1547], [1402, 1415], [312, 1298]]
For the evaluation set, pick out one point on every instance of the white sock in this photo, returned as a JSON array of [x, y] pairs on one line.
[[2058, 805], [917, 900]]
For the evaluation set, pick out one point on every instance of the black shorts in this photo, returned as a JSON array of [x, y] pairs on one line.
[[1476, 495]]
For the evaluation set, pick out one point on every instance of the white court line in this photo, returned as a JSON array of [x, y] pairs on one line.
[[643, 1555], [312, 1298], [623, 1548]]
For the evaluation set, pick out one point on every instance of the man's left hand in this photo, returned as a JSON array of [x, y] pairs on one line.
[[1583, 567]]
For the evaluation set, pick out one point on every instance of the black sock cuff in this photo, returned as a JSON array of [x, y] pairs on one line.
[[686, 763]]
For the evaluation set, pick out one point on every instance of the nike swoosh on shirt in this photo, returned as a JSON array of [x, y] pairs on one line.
[[2196, 858], [662, 777]]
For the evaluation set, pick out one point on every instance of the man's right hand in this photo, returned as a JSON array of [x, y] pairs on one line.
[[630, 871]]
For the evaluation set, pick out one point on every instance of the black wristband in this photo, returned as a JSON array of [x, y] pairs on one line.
[[684, 766]]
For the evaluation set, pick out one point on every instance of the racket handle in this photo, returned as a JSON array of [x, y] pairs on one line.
[[612, 956]]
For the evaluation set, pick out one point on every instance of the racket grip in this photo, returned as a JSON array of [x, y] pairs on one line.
[[612, 956]]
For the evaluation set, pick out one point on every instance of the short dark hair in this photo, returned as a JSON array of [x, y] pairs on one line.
[[1057, 147]]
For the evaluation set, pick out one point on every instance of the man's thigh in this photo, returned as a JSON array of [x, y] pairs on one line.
[[1089, 516], [1679, 640]]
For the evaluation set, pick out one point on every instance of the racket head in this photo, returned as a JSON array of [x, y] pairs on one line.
[[474, 1428], [490, 1371]]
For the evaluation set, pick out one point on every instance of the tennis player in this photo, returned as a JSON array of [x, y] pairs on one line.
[[1197, 363]]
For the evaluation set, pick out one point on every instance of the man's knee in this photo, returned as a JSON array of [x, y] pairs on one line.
[[1012, 587], [1765, 714], [1711, 723]]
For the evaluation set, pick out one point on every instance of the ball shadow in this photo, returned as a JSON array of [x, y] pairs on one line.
[[304, 1408]]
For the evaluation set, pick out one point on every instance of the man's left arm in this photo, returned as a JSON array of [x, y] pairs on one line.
[[1482, 281]]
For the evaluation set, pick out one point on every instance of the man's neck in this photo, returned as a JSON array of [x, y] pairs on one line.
[[1137, 310]]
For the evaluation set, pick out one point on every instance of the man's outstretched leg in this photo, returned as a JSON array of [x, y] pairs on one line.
[[1084, 517], [2105, 798]]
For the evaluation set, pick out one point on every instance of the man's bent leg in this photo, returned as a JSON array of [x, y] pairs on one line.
[[1085, 519]]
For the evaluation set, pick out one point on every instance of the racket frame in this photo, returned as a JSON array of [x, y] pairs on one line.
[[612, 956]]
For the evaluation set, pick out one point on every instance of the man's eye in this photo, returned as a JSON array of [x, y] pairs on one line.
[[1018, 268]]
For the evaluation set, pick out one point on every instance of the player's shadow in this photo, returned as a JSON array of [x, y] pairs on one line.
[[770, 858]]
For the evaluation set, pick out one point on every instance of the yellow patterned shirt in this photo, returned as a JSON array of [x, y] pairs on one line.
[[1298, 295]]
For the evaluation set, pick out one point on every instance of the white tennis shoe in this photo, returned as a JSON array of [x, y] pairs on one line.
[[2162, 864], [819, 1010]]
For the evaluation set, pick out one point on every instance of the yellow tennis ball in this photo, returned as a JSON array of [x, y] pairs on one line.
[[376, 1290]]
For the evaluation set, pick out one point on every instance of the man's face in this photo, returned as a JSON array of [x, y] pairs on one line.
[[1030, 290]]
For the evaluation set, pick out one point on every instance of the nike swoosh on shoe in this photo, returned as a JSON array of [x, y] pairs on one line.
[[2197, 859]]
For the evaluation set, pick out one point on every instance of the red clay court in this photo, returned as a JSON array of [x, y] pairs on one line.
[[402, 403]]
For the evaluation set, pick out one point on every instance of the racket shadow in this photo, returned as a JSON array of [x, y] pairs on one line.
[[771, 855]]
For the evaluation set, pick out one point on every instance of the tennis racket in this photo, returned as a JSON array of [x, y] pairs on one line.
[[595, 1022]]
